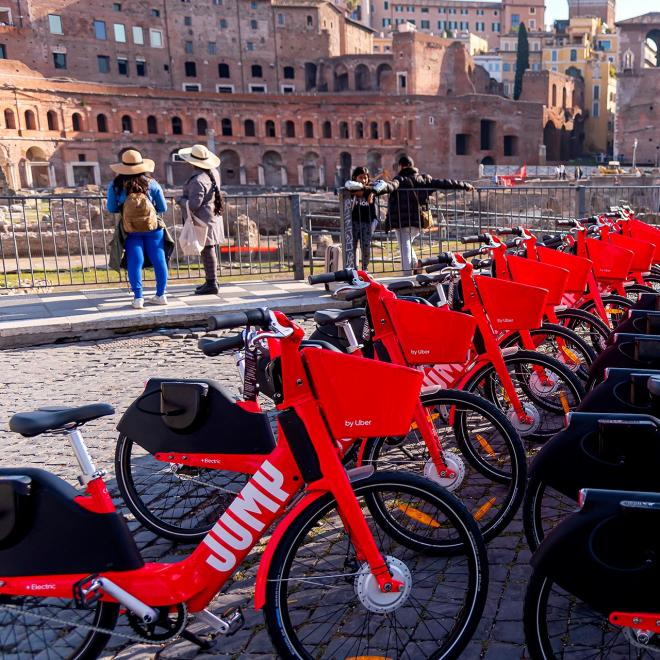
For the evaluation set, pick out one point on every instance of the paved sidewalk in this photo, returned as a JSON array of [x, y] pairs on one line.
[[34, 319]]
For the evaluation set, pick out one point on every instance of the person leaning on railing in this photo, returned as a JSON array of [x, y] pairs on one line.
[[407, 207]]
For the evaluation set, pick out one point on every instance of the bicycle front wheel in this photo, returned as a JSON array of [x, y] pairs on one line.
[[477, 442], [546, 389], [560, 625], [591, 328], [615, 307], [323, 602], [53, 628]]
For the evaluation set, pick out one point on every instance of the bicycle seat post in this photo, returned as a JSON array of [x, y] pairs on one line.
[[89, 472], [347, 329]]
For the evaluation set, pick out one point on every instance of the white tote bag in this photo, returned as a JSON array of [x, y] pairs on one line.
[[192, 237]]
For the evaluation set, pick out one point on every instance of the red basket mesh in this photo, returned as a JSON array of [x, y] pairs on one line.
[[429, 335], [643, 251], [535, 273], [643, 232], [362, 398], [611, 262], [511, 306], [578, 267]]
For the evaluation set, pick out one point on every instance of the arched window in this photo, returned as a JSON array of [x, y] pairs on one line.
[[10, 120], [327, 129], [309, 129], [51, 116], [223, 70], [359, 130], [177, 126], [270, 128], [152, 125], [248, 128], [202, 126], [289, 73], [373, 130], [30, 121], [257, 71], [126, 124], [554, 95], [387, 131], [563, 97], [101, 123], [343, 130], [76, 122], [225, 126], [289, 129]]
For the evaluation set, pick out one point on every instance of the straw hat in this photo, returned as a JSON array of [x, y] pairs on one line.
[[199, 156], [133, 163]]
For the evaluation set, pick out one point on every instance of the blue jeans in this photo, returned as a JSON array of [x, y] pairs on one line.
[[153, 243]]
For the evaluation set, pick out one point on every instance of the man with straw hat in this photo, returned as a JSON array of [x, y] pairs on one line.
[[201, 196], [139, 199]]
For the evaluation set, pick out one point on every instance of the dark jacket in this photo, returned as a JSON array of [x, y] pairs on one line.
[[409, 191]]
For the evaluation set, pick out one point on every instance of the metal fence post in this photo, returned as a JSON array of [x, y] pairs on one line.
[[296, 238], [581, 202], [346, 229]]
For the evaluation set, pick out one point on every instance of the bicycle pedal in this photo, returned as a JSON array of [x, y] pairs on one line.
[[87, 592], [231, 620], [234, 619]]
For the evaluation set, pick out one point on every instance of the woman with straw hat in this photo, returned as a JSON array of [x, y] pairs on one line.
[[201, 193], [139, 198]]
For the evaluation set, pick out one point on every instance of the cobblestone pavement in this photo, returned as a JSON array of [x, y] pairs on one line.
[[115, 371]]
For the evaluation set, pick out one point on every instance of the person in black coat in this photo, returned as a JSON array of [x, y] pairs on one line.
[[363, 213], [407, 206]]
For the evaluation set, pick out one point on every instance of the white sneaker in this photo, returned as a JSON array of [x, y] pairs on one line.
[[138, 303], [158, 300]]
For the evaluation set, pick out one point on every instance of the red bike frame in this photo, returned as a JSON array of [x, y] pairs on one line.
[[198, 578]]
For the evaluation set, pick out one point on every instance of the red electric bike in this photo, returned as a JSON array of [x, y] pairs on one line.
[[362, 564]]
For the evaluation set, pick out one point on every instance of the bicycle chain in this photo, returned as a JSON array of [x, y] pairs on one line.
[[84, 626]]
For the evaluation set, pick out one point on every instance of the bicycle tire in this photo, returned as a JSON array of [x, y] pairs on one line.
[[535, 506], [653, 281], [634, 291], [484, 480], [620, 304], [486, 382], [292, 616], [29, 631], [596, 329], [542, 608], [574, 344], [162, 502]]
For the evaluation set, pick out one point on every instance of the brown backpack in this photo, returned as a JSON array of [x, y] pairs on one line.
[[138, 213]]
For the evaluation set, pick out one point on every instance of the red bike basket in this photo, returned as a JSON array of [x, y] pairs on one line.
[[362, 398], [611, 262], [430, 335], [643, 251], [511, 306], [578, 267], [643, 232], [545, 276]]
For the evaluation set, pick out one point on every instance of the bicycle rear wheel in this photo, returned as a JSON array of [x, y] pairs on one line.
[[174, 501], [588, 326], [478, 442], [615, 307], [53, 628], [322, 602]]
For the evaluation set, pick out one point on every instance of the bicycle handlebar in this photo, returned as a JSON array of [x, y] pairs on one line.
[[354, 295], [552, 241], [475, 238], [345, 275], [508, 231], [213, 347], [257, 317], [433, 268], [568, 222], [441, 259], [471, 253]]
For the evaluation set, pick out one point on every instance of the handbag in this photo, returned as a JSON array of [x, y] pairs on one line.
[[425, 215], [192, 237]]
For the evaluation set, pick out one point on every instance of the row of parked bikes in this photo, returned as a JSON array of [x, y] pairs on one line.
[[371, 462]]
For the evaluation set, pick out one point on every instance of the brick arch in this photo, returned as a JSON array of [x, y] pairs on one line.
[[273, 166], [340, 77], [362, 78], [310, 167], [10, 118], [230, 168]]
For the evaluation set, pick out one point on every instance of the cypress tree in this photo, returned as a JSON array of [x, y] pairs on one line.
[[522, 61]]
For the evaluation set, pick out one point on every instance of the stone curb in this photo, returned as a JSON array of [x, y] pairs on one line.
[[100, 325]]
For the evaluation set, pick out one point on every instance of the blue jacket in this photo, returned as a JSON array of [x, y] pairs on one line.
[[155, 194]]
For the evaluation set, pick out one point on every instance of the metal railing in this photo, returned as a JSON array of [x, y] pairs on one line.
[[64, 241], [58, 241]]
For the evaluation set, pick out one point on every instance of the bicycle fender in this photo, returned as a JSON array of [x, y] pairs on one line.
[[273, 543]]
